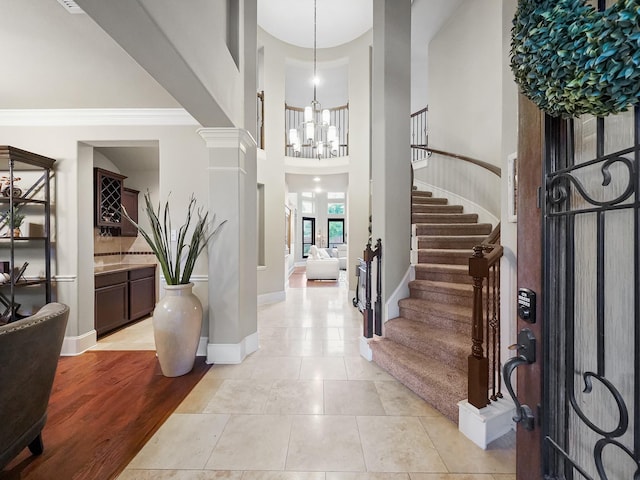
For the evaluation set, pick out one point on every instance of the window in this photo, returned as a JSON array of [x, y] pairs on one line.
[[308, 235], [335, 228], [335, 203]]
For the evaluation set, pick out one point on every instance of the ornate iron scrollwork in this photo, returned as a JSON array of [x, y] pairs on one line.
[[558, 187]]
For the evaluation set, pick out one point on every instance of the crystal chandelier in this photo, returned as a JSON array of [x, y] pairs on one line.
[[316, 131]]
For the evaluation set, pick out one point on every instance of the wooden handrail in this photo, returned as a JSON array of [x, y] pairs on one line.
[[419, 112], [487, 166]]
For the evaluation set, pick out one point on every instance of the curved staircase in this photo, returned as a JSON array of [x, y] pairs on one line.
[[427, 346]]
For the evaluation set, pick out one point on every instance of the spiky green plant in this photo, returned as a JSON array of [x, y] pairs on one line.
[[176, 263]]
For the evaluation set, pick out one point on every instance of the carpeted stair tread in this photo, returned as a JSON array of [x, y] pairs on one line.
[[451, 348], [420, 208], [428, 200], [458, 242], [459, 313], [460, 289], [453, 229], [440, 385], [445, 255], [444, 218], [443, 273], [421, 193]]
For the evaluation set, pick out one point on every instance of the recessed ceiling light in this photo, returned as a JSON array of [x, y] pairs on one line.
[[316, 179], [318, 190]]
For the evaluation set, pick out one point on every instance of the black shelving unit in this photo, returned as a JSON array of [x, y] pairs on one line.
[[34, 192]]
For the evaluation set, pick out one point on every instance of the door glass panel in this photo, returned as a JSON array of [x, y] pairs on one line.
[[336, 232], [308, 235]]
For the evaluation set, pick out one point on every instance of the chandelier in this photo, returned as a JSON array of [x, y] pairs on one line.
[[316, 131]]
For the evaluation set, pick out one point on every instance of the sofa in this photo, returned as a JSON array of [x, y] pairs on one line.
[[321, 266], [341, 253], [29, 352]]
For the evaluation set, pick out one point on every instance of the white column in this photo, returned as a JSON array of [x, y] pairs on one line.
[[391, 165], [233, 253]]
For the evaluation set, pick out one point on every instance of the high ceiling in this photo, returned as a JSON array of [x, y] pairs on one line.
[[338, 21]]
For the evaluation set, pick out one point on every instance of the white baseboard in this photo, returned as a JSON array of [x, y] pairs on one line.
[[392, 309], [483, 426], [72, 346], [365, 349], [273, 297], [231, 353]]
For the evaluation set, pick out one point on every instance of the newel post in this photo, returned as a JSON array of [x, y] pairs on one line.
[[478, 363]]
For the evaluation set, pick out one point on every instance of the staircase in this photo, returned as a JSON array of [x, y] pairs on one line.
[[427, 346]]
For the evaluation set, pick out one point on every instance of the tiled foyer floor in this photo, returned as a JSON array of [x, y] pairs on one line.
[[307, 406]]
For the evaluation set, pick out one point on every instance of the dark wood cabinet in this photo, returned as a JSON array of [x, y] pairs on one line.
[[108, 198], [124, 296], [130, 203]]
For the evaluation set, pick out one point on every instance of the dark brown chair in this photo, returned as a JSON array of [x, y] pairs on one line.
[[29, 352]]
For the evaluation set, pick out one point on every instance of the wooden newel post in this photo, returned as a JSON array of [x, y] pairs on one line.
[[478, 371]]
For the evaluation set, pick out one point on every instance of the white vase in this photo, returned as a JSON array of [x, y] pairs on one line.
[[177, 321]]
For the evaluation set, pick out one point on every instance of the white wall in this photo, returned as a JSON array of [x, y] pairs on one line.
[[465, 114], [181, 150]]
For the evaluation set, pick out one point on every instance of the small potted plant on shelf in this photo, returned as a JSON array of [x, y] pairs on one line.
[[177, 318], [13, 222]]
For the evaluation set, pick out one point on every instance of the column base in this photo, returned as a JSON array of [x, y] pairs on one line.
[[483, 426]]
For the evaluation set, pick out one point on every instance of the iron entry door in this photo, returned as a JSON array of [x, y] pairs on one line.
[[591, 423]]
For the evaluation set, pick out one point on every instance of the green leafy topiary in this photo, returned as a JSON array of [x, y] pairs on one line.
[[570, 59]]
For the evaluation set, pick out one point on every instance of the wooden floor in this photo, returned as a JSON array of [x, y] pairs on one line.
[[104, 407]]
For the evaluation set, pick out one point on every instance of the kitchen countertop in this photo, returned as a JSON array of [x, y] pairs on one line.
[[121, 267]]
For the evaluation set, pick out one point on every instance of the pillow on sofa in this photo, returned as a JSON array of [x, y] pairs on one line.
[[322, 253], [313, 253]]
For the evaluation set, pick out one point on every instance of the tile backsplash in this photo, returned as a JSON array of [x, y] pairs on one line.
[[110, 250]]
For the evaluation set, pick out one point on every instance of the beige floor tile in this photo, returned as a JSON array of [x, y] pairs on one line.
[[351, 333], [179, 475], [501, 476], [252, 442], [283, 332], [399, 400], [323, 333], [276, 368], [241, 370], [398, 444], [358, 397], [341, 348], [184, 441], [461, 455], [366, 476], [290, 348], [200, 396], [283, 476], [450, 476], [240, 396], [324, 443], [359, 368], [296, 397], [323, 368]]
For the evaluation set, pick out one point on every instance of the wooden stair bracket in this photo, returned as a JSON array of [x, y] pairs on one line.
[[487, 308], [372, 315]]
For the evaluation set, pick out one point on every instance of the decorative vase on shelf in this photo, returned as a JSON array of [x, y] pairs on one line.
[[16, 232], [177, 321]]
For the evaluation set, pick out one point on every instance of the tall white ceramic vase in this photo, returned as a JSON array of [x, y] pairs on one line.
[[177, 321]]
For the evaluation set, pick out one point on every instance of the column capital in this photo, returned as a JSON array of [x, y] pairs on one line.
[[227, 137]]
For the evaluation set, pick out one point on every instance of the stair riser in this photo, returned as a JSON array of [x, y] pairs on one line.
[[445, 402], [436, 318], [440, 297], [429, 200], [416, 208], [449, 242], [422, 274], [419, 218], [455, 229], [425, 257], [456, 358]]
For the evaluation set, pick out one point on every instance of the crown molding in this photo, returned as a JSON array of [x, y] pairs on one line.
[[63, 117], [227, 137]]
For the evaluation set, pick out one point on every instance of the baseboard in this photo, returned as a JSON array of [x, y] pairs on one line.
[[273, 297], [72, 346], [483, 426], [392, 309], [231, 353], [365, 349]]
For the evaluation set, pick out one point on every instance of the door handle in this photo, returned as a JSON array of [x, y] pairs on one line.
[[526, 348]]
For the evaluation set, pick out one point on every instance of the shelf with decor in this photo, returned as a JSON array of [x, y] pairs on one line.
[[25, 261]]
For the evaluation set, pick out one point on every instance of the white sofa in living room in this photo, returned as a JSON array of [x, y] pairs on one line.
[[342, 255], [320, 266]]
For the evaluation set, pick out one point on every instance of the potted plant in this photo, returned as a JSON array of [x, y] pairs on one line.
[[14, 222], [177, 317]]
